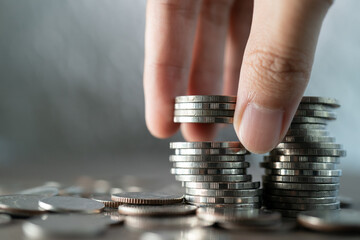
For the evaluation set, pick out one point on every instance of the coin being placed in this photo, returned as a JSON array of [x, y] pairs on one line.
[[188, 119], [222, 200], [213, 178], [221, 185], [315, 159], [4, 219], [211, 151], [205, 106], [45, 191], [204, 113], [207, 171], [303, 172], [345, 220], [71, 204], [63, 225], [211, 164], [207, 158], [180, 145], [205, 99], [106, 200], [161, 210], [21, 205], [146, 198]]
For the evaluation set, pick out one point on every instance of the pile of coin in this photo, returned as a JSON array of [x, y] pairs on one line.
[[302, 172], [213, 173]]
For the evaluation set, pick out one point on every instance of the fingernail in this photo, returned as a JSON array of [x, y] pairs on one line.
[[260, 128]]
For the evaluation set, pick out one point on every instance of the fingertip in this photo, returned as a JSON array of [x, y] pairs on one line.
[[161, 127], [197, 132]]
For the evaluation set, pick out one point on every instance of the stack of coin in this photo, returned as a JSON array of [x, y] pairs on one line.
[[302, 172]]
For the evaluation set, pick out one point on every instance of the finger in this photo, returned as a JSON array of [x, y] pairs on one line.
[[276, 68], [169, 37], [207, 66], [238, 33]]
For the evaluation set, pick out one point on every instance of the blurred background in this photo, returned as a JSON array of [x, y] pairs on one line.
[[71, 96]]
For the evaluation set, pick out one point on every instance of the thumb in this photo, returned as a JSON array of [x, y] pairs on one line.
[[276, 69]]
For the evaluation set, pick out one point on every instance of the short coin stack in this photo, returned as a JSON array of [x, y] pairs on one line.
[[213, 173], [302, 173]]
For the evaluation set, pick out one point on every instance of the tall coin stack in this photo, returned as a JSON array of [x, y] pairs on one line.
[[302, 172], [213, 173]]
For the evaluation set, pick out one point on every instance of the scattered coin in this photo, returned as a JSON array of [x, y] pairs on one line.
[[71, 204], [106, 200], [162, 210], [21, 205], [146, 198]]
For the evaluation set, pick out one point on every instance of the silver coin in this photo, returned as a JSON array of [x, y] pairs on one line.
[[301, 186], [311, 152], [213, 178], [309, 120], [106, 200], [301, 179], [219, 185], [223, 193], [45, 191], [207, 158], [314, 113], [306, 132], [300, 193], [228, 205], [21, 205], [222, 200], [309, 145], [300, 200], [178, 119], [163, 210], [71, 204], [304, 172], [211, 151], [204, 106], [180, 145], [331, 221], [206, 113], [146, 198], [303, 207], [307, 139], [300, 165], [63, 225], [4, 219], [332, 102], [207, 171], [320, 107], [205, 99], [312, 126], [211, 164], [315, 159]]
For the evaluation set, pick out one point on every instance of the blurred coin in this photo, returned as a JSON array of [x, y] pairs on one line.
[[345, 220], [21, 205], [146, 198], [301, 193], [297, 206], [222, 200], [180, 145], [300, 200], [205, 98], [211, 151], [332, 102], [44, 191], [213, 178], [302, 186], [306, 132], [312, 126], [320, 107], [207, 158], [178, 119], [309, 145], [71, 204], [304, 172], [211, 164], [311, 152], [217, 106], [223, 185], [315, 159], [314, 113], [223, 193], [163, 210], [4, 219], [301, 179], [300, 165], [309, 120], [106, 200], [206, 113], [207, 171], [307, 139]]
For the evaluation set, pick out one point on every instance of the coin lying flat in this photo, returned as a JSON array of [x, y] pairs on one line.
[[315, 113], [312, 126], [304, 207], [223, 193], [299, 165], [331, 221], [307, 139], [213, 178], [211, 151], [207, 171], [180, 145], [311, 152], [332, 102], [309, 120], [188, 119], [300, 200], [228, 205], [106, 200], [205, 106], [4, 219], [307, 132], [163, 210], [320, 107], [301, 179], [71, 204], [315, 159], [21, 205], [302, 193], [211, 164], [207, 113], [45, 191], [207, 158], [303, 172], [222, 200], [309, 145], [302, 186], [223, 185], [146, 198], [205, 98]]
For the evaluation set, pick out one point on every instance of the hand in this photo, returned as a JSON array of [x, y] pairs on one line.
[[191, 45]]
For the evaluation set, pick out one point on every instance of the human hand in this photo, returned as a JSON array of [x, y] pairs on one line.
[[191, 45]]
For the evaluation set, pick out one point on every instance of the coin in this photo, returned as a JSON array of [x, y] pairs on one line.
[[207, 113], [314, 113], [213, 178], [300, 165], [44, 191], [301, 179], [315, 159], [180, 145], [320, 107], [306, 132], [222, 200], [331, 221], [302, 186], [223, 193], [209, 171], [304, 207], [178, 119], [312, 126], [224, 185], [303, 172], [211, 151], [205, 98], [21, 205], [211, 164], [71, 204], [163, 210], [311, 152], [106, 200], [207, 158], [300, 200], [332, 102], [309, 120], [146, 198], [217, 106], [4, 219], [309, 145], [301, 139], [228, 205], [301, 193]]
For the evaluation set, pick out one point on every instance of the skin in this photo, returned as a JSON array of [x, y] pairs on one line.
[[261, 50]]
